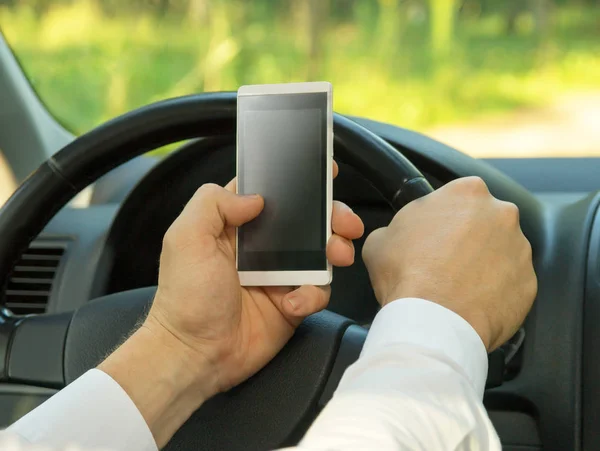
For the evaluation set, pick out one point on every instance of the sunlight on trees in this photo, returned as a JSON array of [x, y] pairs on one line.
[[416, 63], [442, 26]]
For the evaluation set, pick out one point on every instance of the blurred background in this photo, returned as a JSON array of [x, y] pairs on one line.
[[494, 78]]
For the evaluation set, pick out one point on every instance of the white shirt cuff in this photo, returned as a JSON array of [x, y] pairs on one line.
[[432, 327], [93, 412]]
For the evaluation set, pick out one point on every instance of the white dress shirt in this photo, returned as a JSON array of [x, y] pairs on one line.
[[418, 385]]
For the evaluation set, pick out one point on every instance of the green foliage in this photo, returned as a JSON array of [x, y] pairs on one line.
[[442, 14], [91, 60]]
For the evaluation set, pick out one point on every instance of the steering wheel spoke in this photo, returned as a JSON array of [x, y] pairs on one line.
[[293, 382], [33, 348]]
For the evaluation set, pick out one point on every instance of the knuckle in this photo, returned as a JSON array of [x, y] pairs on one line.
[[208, 190], [322, 297], [530, 282], [532, 287], [528, 250], [317, 298], [172, 237], [510, 212], [473, 185], [372, 242], [529, 290]]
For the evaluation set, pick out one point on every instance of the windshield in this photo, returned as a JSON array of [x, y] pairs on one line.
[[493, 78]]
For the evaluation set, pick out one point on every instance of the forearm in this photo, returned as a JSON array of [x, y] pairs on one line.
[[418, 383], [404, 397], [93, 412], [153, 367], [136, 399]]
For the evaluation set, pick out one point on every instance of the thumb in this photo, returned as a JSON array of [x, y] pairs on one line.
[[213, 207], [304, 301]]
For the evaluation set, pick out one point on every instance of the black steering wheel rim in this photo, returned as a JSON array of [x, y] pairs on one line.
[[300, 378], [94, 154]]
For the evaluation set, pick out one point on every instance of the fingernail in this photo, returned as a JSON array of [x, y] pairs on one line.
[[293, 300], [347, 207], [251, 196]]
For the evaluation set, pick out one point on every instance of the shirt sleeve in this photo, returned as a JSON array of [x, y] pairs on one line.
[[92, 413], [418, 385]]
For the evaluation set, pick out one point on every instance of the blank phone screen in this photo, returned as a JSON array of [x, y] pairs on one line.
[[282, 155]]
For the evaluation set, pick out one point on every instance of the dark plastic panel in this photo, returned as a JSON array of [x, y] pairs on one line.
[[14, 406], [36, 352], [515, 428], [17, 400], [521, 448], [114, 187], [566, 175], [86, 229], [549, 385]]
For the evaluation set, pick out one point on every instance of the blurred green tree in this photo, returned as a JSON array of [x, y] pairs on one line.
[[442, 16]]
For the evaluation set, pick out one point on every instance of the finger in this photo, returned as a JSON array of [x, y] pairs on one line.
[[213, 207], [232, 185], [304, 301], [345, 222], [340, 251], [336, 169]]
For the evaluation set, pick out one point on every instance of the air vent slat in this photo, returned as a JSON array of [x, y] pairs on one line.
[[34, 256], [39, 263], [19, 308], [34, 293], [34, 280], [30, 283], [28, 286], [46, 269], [40, 305]]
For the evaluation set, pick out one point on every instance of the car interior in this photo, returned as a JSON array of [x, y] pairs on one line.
[[80, 240]]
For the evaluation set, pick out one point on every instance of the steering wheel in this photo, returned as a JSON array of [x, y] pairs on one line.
[[271, 409]]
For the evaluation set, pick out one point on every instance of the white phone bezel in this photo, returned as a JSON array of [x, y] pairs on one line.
[[294, 278]]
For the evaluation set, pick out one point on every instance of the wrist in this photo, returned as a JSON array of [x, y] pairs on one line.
[[197, 371], [456, 303], [166, 383]]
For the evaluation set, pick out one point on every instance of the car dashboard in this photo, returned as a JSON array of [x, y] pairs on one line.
[[115, 245]]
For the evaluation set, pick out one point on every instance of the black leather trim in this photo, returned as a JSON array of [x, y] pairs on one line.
[[411, 189]]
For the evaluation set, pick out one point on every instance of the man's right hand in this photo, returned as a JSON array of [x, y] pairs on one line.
[[463, 249]]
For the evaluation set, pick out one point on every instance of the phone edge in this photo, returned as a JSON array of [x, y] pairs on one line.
[[292, 278]]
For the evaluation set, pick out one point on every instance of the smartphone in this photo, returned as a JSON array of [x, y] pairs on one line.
[[285, 154]]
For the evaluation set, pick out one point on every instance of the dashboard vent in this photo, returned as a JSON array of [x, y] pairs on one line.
[[30, 283]]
